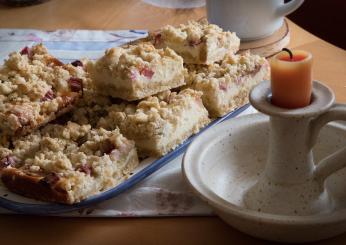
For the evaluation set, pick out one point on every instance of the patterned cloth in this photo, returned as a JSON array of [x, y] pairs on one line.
[[164, 193], [67, 45]]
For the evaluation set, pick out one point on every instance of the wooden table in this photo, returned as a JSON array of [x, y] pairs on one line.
[[329, 66]]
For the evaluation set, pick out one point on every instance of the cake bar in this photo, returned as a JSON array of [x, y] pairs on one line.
[[67, 163], [226, 85], [35, 88], [197, 42], [159, 123], [137, 71]]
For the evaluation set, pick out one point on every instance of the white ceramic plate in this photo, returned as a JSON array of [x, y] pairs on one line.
[[226, 160]]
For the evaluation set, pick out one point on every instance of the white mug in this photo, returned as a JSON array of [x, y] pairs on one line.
[[250, 19]]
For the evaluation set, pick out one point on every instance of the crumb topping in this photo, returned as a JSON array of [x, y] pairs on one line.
[[34, 86], [135, 61], [30, 76], [193, 32], [64, 148], [149, 116], [197, 42], [232, 67]]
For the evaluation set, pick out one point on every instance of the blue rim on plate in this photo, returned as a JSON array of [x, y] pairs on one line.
[[53, 208]]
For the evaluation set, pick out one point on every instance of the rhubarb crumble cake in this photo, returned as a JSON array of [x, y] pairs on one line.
[[158, 123], [67, 163], [197, 42], [226, 85], [35, 88], [137, 71]]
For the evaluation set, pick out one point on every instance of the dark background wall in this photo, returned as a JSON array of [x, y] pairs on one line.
[[324, 18]]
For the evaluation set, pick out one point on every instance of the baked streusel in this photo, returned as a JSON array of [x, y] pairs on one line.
[[159, 123], [137, 71], [226, 85], [35, 88], [67, 163], [197, 42]]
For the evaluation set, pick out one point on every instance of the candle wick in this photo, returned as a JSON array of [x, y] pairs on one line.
[[289, 52]]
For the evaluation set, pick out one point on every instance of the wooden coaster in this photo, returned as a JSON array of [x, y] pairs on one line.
[[270, 45]]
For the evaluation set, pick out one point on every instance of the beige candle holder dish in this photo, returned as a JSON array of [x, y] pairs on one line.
[[278, 176]]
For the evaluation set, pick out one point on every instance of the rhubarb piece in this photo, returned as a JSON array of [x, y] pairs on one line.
[[77, 63], [76, 84]]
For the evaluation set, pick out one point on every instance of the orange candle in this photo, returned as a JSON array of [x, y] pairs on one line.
[[291, 79]]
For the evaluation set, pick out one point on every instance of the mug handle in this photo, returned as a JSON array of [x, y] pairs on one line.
[[337, 160], [288, 8]]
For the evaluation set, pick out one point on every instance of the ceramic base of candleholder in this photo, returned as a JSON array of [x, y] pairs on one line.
[[261, 176]]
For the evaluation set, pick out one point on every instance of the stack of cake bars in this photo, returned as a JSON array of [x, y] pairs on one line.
[[70, 131]]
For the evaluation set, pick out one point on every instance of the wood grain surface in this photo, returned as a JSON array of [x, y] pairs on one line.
[[329, 67]]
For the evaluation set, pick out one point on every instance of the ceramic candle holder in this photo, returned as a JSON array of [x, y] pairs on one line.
[[259, 174], [290, 183]]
